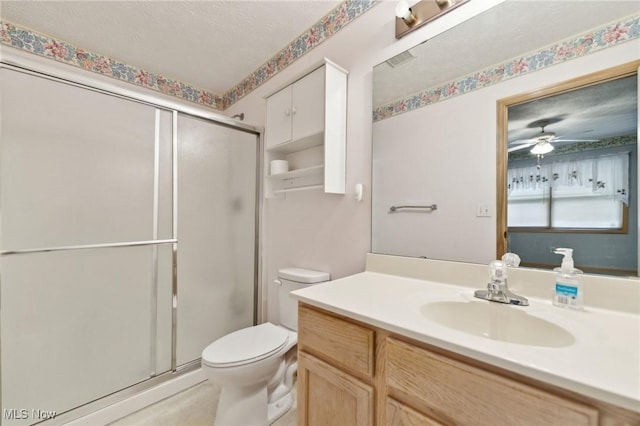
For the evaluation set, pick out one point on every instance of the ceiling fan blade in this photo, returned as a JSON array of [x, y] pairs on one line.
[[522, 141], [574, 140], [580, 133], [519, 147]]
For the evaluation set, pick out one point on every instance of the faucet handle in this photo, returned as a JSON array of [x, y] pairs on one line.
[[511, 259], [497, 271]]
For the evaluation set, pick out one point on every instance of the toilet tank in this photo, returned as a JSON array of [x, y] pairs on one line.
[[291, 279]]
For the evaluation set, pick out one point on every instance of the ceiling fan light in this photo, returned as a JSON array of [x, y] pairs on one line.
[[540, 148]]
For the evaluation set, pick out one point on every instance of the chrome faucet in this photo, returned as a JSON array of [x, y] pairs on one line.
[[497, 290]]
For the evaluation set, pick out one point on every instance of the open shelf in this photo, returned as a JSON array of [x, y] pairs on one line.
[[298, 145], [299, 188], [309, 177], [292, 174]]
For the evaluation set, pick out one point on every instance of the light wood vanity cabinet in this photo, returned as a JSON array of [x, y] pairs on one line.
[[332, 397], [350, 373], [399, 414], [340, 390], [458, 393]]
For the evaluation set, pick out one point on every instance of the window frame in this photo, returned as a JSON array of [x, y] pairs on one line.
[[502, 229]]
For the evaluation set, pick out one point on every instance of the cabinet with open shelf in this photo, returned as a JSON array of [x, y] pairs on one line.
[[306, 126]]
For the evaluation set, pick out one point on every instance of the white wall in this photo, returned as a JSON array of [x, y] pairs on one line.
[[323, 231], [449, 158], [332, 232], [445, 157]]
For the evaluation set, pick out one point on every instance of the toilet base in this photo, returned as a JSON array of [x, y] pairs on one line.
[[242, 406], [247, 406], [279, 408]]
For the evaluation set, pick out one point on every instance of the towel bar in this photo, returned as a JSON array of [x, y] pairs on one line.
[[430, 207]]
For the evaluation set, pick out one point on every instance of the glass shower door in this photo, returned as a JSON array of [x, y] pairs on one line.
[[217, 175], [111, 210], [86, 198]]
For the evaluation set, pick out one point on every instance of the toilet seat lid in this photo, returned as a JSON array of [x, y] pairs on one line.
[[245, 346]]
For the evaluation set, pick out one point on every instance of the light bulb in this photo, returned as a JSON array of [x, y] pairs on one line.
[[403, 11]]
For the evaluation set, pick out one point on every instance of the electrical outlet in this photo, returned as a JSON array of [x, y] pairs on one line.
[[483, 210]]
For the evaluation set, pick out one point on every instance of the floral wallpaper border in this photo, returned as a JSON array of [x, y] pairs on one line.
[[326, 27], [590, 42], [48, 47], [61, 51]]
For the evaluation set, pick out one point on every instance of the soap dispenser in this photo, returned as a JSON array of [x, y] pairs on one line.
[[568, 289]]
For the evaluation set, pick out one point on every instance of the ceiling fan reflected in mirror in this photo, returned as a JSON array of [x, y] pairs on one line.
[[543, 142]]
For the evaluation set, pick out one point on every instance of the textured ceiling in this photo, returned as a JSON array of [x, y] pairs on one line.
[[510, 30], [504, 32], [209, 44], [600, 111]]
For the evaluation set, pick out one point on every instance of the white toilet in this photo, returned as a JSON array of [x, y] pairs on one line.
[[256, 366]]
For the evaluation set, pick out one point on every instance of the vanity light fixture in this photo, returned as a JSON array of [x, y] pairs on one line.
[[404, 12], [541, 148], [412, 17]]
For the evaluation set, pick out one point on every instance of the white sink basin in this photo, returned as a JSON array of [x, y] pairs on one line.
[[497, 321]]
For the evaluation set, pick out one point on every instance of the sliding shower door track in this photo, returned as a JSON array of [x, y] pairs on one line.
[[121, 395], [88, 246]]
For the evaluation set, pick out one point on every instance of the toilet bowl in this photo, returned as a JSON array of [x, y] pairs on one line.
[[255, 366]]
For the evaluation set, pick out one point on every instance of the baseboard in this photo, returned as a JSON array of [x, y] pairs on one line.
[[140, 400]]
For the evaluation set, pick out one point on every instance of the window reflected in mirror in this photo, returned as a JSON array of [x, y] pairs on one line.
[[587, 191]]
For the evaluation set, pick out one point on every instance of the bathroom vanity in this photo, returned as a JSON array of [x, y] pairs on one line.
[[402, 344]]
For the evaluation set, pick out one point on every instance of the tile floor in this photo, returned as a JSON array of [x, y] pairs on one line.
[[195, 406]]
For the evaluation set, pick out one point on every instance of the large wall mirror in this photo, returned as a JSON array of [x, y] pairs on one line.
[[567, 172], [436, 128]]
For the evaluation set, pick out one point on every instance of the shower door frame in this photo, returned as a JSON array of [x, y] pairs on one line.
[[44, 68]]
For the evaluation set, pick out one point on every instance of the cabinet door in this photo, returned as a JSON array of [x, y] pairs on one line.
[[279, 113], [328, 396], [399, 414], [440, 386], [341, 342], [308, 105]]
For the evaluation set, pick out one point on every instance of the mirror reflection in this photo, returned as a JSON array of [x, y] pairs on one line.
[[572, 165], [434, 138]]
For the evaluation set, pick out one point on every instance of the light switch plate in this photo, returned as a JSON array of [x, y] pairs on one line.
[[483, 210]]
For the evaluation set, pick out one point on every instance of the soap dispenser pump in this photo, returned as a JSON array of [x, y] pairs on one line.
[[568, 289]]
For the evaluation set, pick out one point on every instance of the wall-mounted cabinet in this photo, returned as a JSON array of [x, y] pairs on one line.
[[306, 125]]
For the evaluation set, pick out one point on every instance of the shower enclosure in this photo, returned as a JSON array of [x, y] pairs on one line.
[[128, 238]]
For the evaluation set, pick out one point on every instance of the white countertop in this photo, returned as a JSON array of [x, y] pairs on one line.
[[603, 362]]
